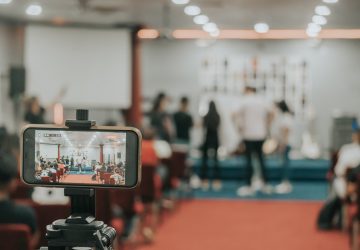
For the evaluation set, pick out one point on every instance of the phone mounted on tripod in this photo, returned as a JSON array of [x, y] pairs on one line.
[[96, 157]]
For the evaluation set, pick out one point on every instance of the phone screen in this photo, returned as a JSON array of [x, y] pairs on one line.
[[96, 157]]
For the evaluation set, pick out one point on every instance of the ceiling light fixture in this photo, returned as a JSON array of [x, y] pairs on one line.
[[261, 28], [34, 10], [180, 1], [320, 20], [314, 28], [192, 10], [322, 10], [201, 19], [330, 1], [311, 34], [215, 33], [210, 27], [5, 1]]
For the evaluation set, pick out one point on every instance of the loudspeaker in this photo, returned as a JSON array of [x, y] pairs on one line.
[[17, 81]]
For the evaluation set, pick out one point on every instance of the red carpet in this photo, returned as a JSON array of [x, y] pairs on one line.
[[245, 225]]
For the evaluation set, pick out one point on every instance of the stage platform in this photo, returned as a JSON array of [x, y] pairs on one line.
[[300, 169]]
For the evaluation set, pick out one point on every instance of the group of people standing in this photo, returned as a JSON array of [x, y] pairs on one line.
[[254, 120]]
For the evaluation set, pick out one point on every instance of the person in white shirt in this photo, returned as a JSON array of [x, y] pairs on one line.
[[255, 117], [348, 157], [283, 133]]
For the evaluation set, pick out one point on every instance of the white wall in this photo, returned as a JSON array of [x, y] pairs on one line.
[[109, 150], [92, 66], [10, 54], [173, 66], [49, 151]]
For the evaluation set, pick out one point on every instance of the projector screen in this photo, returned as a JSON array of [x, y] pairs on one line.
[[79, 67]]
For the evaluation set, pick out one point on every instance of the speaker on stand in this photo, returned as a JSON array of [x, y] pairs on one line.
[[17, 82]]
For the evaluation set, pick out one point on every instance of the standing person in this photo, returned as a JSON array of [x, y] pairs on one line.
[[285, 127], [160, 120], [255, 116], [183, 121], [211, 123]]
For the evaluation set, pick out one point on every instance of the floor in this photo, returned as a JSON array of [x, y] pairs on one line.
[[302, 190], [249, 225]]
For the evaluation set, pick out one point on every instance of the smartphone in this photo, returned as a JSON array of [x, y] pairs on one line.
[[98, 157]]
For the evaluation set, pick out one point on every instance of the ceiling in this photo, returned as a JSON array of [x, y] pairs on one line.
[[228, 14], [80, 139]]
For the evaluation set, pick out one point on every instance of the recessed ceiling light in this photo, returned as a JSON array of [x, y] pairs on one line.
[[34, 10], [322, 10], [210, 27], [192, 10], [261, 27], [215, 33], [201, 19], [320, 20], [330, 1], [311, 34], [5, 1], [180, 1], [314, 28]]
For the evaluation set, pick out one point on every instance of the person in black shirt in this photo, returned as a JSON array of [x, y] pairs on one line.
[[160, 120], [211, 123], [12, 213], [183, 121], [34, 112]]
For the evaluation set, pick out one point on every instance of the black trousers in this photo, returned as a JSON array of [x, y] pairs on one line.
[[205, 166], [254, 148]]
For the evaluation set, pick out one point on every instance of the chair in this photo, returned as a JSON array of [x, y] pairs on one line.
[[58, 175], [112, 181], [102, 176], [45, 179], [15, 237], [53, 177], [107, 178], [22, 191], [46, 214]]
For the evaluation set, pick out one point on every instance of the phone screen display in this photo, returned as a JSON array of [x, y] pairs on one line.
[[85, 158]]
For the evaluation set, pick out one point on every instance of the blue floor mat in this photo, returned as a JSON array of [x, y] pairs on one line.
[[233, 168], [311, 190]]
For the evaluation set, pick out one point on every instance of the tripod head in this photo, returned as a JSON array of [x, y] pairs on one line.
[[80, 229]]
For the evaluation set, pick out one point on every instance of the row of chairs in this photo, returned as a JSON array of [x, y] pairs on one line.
[[60, 173], [350, 211], [141, 207]]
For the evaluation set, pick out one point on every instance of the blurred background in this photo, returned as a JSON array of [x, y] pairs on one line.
[[249, 112]]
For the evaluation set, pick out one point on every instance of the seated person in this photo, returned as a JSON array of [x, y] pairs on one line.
[[12, 213], [119, 179], [109, 169], [45, 172], [348, 159], [52, 170], [38, 175]]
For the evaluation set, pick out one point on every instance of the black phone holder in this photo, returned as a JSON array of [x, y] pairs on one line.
[[80, 229]]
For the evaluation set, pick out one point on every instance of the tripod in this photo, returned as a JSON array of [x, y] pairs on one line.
[[80, 230]]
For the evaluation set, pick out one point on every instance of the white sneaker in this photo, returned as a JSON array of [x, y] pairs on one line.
[[205, 185], [257, 185], [245, 191], [216, 185], [267, 189], [283, 188]]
